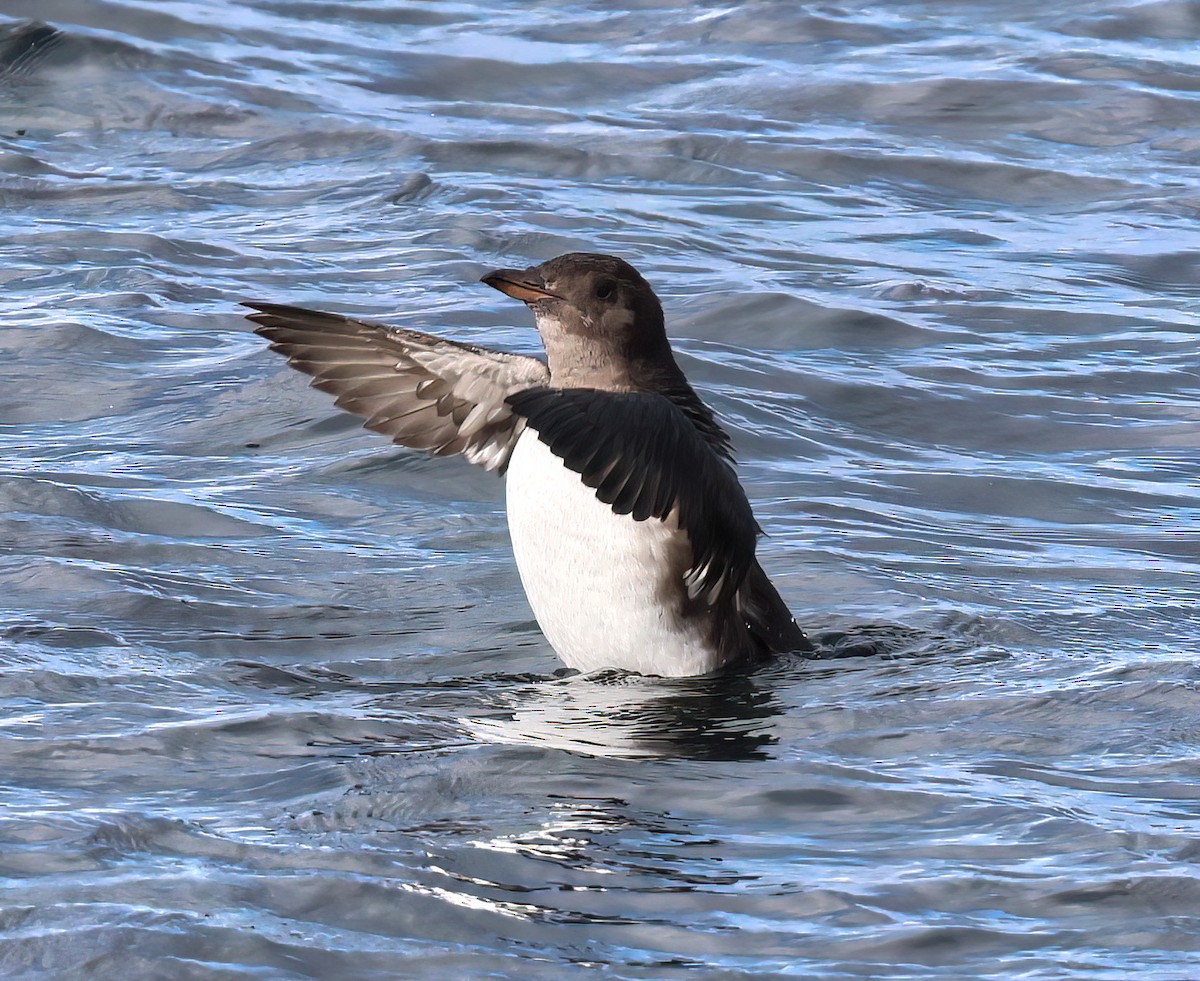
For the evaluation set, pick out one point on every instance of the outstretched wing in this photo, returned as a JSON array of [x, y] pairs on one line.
[[422, 391]]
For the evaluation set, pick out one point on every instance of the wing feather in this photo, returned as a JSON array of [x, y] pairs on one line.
[[422, 391]]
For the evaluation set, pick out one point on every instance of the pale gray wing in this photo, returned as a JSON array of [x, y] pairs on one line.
[[422, 391]]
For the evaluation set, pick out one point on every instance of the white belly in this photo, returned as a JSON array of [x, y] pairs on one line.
[[604, 588]]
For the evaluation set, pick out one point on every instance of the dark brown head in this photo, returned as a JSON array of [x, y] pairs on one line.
[[599, 319]]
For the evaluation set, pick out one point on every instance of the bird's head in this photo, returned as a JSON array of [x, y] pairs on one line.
[[599, 319]]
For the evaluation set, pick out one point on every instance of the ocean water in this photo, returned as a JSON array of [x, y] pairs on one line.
[[272, 704]]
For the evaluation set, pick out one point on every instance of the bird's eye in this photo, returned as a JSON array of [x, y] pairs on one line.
[[604, 289]]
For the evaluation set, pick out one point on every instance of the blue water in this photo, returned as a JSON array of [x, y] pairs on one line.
[[272, 703]]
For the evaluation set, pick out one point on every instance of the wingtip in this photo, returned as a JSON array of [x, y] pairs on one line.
[[266, 316], [260, 311], [261, 307]]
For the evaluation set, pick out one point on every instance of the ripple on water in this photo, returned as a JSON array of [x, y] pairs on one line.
[[272, 699]]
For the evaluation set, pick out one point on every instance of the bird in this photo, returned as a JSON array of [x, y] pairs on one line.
[[633, 536]]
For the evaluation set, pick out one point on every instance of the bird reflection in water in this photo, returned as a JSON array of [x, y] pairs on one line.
[[618, 714], [725, 716]]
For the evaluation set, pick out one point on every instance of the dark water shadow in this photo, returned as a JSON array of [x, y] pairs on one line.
[[24, 44], [885, 640]]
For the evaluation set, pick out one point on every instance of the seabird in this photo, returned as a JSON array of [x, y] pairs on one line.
[[632, 534]]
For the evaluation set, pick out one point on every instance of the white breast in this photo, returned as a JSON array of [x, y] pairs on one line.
[[604, 588]]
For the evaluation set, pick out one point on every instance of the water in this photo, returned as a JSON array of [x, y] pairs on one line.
[[273, 702]]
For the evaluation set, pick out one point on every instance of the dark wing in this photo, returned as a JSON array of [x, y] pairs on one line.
[[422, 391], [646, 459], [700, 415], [767, 617]]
